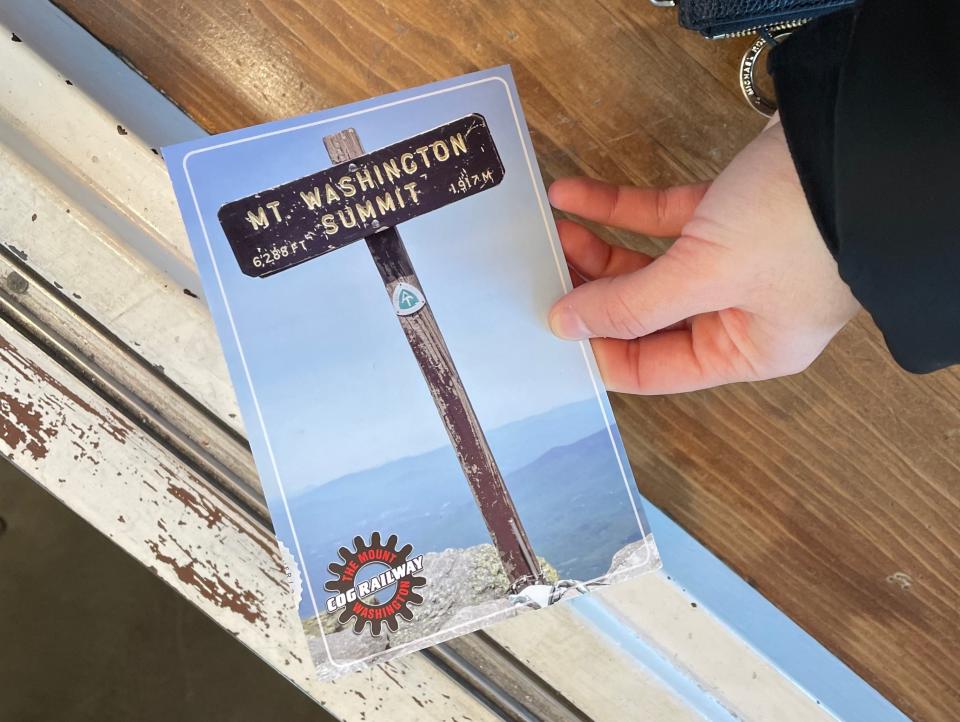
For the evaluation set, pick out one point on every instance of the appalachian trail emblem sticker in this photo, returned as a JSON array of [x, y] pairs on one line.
[[407, 299], [376, 583]]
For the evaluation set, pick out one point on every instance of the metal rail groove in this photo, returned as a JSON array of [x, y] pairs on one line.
[[138, 391], [503, 683]]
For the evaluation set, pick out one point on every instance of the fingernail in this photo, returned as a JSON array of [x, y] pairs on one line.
[[567, 324]]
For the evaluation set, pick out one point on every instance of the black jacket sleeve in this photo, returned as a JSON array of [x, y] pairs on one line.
[[870, 103]]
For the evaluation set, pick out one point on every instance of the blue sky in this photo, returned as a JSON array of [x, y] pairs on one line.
[[337, 385]]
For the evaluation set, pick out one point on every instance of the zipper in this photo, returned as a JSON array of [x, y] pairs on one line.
[[770, 20], [785, 26]]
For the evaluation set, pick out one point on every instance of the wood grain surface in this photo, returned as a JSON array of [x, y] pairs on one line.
[[836, 492]]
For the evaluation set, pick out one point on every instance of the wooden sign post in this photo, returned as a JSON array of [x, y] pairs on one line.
[[366, 196]]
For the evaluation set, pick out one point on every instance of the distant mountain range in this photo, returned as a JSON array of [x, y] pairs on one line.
[[559, 468]]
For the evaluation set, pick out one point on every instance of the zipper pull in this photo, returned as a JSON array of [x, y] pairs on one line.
[[748, 68]]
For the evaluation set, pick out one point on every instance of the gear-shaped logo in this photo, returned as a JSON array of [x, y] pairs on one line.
[[368, 574]]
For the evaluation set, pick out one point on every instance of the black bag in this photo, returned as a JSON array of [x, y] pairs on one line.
[[770, 20], [733, 18]]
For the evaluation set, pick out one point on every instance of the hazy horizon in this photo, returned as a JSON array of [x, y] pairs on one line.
[[488, 433]]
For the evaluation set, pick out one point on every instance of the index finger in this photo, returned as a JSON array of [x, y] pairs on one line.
[[652, 211]]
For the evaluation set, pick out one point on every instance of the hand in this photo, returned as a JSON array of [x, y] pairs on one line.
[[748, 291]]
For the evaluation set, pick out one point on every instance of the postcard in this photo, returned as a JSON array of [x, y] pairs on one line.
[[432, 457]]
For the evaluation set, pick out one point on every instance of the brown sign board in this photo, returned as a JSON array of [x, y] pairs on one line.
[[282, 227]]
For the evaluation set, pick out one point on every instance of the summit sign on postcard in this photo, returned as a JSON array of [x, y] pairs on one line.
[[278, 228]]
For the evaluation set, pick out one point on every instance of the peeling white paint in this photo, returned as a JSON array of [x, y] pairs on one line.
[[93, 211], [130, 488]]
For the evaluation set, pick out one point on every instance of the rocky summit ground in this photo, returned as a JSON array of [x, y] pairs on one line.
[[467, 588]]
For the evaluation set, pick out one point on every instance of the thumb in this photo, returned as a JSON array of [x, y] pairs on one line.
[[638, 303]]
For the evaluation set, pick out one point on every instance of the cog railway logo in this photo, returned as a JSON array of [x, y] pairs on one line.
[[376, 583]]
